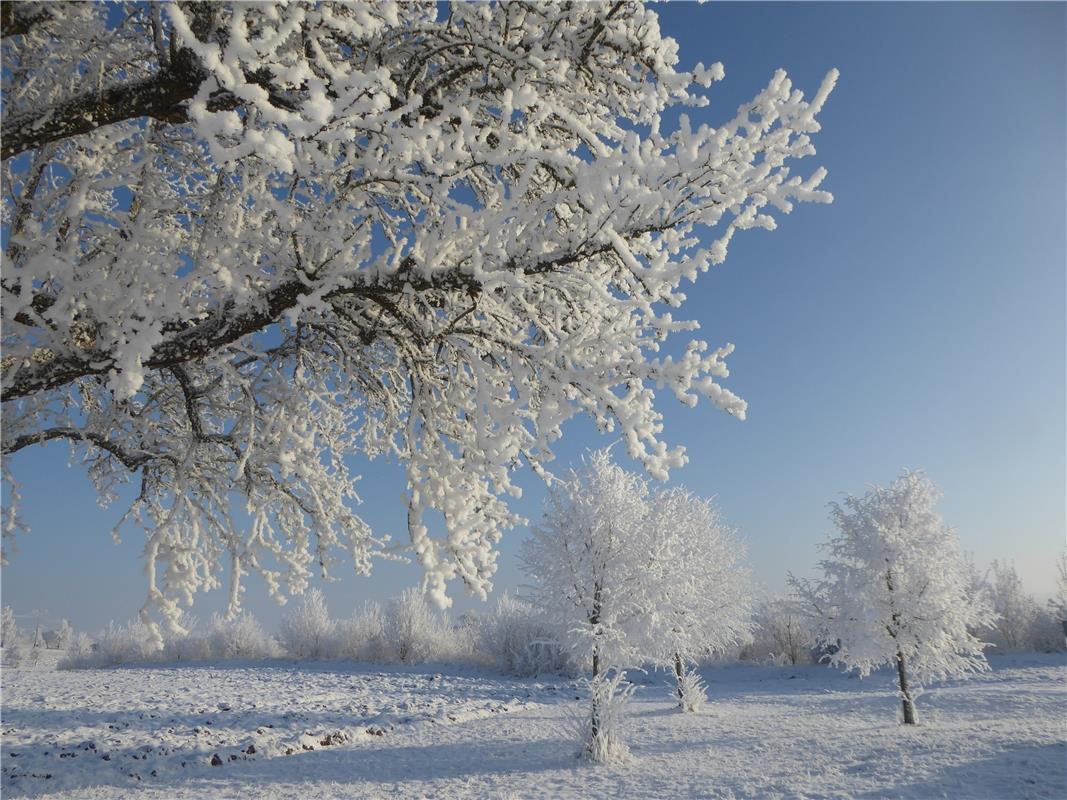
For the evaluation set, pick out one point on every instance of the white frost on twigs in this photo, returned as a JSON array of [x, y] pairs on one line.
[[301, 231]]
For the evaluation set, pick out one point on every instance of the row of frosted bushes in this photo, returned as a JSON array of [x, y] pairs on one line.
[[406, 630], [510, 637]]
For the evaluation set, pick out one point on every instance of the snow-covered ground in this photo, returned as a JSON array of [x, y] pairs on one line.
[[329, 730]]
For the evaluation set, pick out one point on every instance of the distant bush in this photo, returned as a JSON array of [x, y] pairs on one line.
[[240, 636], [1046, 632], [516, 640], [361, 637], [122, 644], [80, 649], [414, 632], [307, 632], [189, 646], [14, 652]]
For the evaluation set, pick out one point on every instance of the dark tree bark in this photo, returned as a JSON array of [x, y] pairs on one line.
[[679, 671], [18, 18], [902, 670], [594, 619], [905, 692], [160, 97]]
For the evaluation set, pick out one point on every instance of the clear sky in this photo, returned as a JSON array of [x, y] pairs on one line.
[[919, 321]]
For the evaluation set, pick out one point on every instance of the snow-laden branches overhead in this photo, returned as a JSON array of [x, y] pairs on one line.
[[894, 589], [244, 240]]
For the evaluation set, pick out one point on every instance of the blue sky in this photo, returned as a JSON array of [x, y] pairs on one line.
[[919, 321]]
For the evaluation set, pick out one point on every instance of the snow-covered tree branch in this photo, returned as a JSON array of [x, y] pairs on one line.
[[244, 241]]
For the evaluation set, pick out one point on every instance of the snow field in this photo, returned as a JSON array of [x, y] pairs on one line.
[[142, 724], [796, 732]]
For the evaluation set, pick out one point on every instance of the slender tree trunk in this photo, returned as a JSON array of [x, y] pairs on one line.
[[594, 620], [905, 693], [594, 727], [902, 671], [679, 672]]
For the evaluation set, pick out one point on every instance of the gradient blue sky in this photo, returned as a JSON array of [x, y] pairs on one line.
[[919, 321]]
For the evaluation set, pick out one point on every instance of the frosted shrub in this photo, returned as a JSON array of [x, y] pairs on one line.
[[188, 644], [307, 630], [1057, 604], [119, 644], [692, 691], [240, 636], [361, 637], [9, 629], [413, 631], [79, 653], [517, 640], [598, 726], [14, 651]]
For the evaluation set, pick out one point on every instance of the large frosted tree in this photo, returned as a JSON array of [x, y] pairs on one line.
[[701, 602], [592, 563], [894, 590], [243, 241], [592, 570], [627, 576]]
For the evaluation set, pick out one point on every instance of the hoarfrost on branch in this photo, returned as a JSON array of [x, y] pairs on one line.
[[245, 241]]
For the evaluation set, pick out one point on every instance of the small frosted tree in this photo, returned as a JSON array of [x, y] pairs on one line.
[[700, 599], [893, 590], [64, 636], [11, 638], [583, 559]]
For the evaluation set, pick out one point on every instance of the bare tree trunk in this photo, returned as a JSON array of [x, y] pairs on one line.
[[594, 620], [905, 693], [902, 671], [679, 672], [594, 727]]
